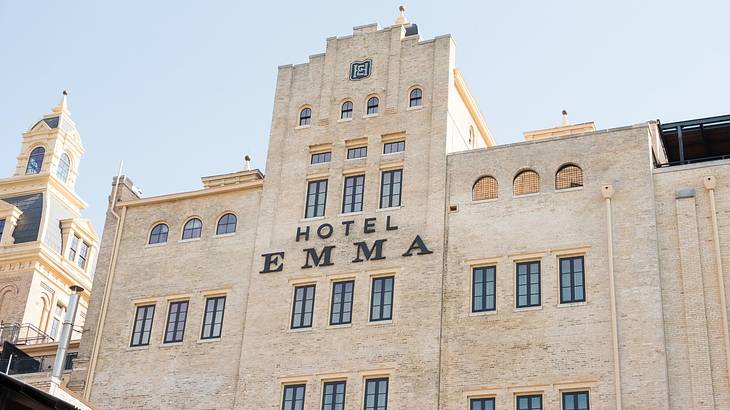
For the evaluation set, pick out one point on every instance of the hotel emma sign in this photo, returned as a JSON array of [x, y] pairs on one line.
[[364, 250]]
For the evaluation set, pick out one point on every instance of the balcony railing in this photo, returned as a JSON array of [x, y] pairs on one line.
[[39, 364], [23, 334]]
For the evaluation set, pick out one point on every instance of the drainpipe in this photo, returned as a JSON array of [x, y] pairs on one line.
[[68, 323], [710, 183], [607, 192]]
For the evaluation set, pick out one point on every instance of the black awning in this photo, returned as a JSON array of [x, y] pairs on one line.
[[14, 394]]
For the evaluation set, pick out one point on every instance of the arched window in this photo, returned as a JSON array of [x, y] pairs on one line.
[[526, 182], [373, 103], [416, 98], [569, 176], [192, 229], [346, 110], [305, 116], [64, 165], [35, 162], [484, 188], [159, 234], [227, 224]]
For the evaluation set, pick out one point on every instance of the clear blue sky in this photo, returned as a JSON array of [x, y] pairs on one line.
[[181, 89]]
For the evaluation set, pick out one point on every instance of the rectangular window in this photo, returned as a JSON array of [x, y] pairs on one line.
[[359, 152], [2, 228], [572, 276], [303, 309], [352, 197], [143, 325], [483, 289], [213, 319], [390, 188], [341, 312], [72, 249], [482, 404], [531, 402], [316, 198], [58, 313], [333, 397], [176, 317], [528, 284], [293, 397], [83, 255], [321, 157], [376, 394], [393, 147], [382, 299], [576, 400]]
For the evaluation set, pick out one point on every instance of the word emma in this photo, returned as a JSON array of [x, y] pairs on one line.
[[363, 250]]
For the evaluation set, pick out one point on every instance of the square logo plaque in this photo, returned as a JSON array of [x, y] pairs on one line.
[[360, 69]]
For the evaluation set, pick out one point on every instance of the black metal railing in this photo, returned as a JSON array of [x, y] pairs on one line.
[[23, 334], [693, 161], [38, 364]]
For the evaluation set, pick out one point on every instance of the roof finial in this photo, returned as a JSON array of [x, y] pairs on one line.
[[565, 118], [63, 104], [247, 160], [401, 19]]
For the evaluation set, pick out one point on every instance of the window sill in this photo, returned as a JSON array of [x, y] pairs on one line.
[[312, 219], [484, 313], [578, 188], [300, 330], [136, 348], [301, 127], [325, 164], [571, 304], [380, 323], [415, 108], [528, 308], [211, 340], [345, 119], [484, 201], [344, 214], [188, 240], [155, 245], [393, 153], [224, 235], [370, 115], [526, 195], [355, 159], [342, 326], [393, 208], [171, 344]]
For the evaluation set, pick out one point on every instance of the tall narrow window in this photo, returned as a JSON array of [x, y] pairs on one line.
[[577, 400], [35, 161], [353, 195], [483, 289], [482, 404], [373, 103], [226, 225], [572, 276], [381, 300], [176, 317], [73, 248], [58, 313], [83, 255], [390, 188], [159, 234], [376, 394], [393, 147], [193, 228], [305, 117], [303, 308], [341, 311], [293, 397], [528, 284], [416, 99], [529, 402], [346, 110], [213, 319], [64, 166], [333, 397], [358, 152], [321, 157], [2, 228], [569, 176], [143, 325], [316, 198]]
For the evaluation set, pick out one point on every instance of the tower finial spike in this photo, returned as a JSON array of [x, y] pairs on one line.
[[63, 104], [401, 19], [565, 118]]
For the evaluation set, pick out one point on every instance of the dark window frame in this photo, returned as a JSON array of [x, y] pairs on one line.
[[301, 323], [335, 394], [482, 401], [394, 147], [64, 167], [148, 314], [73, 248], [484, 287], [346, 110], [357, 150], [574, 396], [178, 323], [529, 285], [313, 198], [217, 301], [339, 308], [376, 393], [373, 105], [293, 403], [320, 158], [380, 302], [305, 117], [572, 273], [83, 255], [2, 228], [529, 397], [415, 98], [190, 231], [388, 200], [35, 161], [226, 224], [158, 235], [350, 204]]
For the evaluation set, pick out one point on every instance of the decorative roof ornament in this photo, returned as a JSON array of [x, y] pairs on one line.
[[565, 119], [401, 19], [62, 106]]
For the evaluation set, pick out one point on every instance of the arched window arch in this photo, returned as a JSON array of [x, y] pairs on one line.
[[373, 103], [158, 234], [569, 176], [526, 182], [64, 166], [416, 98], [193, 228], [35, 161], [484, 188], [346, 111], [226, 224], [305, 116]]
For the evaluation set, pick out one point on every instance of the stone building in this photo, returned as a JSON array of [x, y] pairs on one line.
[[46, 246], [395, 257]]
